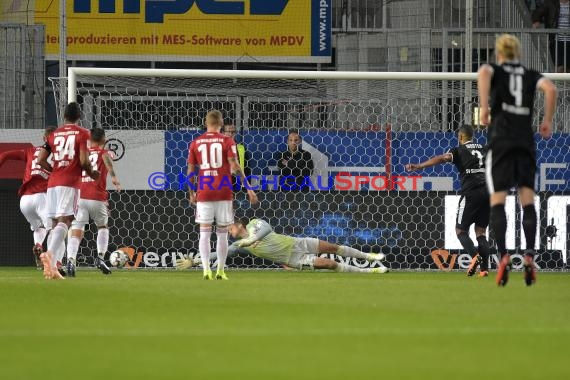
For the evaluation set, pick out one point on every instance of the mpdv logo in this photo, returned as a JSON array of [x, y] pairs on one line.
[[156, 9]]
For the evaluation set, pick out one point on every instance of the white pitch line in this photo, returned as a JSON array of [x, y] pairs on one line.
[[141, 332]]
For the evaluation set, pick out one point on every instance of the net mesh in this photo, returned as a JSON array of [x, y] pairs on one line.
[[360, 134]]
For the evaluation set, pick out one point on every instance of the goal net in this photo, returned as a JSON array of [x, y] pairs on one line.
[[359, 129]]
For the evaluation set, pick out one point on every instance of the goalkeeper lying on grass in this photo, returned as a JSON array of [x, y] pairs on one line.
[[258, 239]]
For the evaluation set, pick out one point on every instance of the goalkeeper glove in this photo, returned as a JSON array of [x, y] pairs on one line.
[[184, 263], [244, 243]]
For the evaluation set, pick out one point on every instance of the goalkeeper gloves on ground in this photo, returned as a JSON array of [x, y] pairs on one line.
[[184, 263]]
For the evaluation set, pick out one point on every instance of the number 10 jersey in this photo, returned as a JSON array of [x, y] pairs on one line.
[[211, 152]]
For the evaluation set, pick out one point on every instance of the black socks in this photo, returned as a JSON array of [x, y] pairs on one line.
[[499, 227]]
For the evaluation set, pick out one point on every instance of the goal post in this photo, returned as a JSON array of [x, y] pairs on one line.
[[360, 129]]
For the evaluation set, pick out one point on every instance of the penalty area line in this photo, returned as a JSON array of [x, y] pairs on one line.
[[141, 332]]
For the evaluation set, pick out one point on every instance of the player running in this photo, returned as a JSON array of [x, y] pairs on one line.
[[33, 193], [474, 202], [93, 203], [259, 239], [215, 157], [511, 159], [68, 143]]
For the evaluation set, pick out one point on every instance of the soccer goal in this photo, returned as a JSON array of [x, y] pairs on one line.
[[360, 129]]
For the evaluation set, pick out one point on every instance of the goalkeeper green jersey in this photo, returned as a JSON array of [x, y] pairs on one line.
[[265, 243]]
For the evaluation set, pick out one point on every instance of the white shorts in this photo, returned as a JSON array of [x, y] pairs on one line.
[[61, 201], [91, 209], [305, 252], [220, 211], [33, 208]]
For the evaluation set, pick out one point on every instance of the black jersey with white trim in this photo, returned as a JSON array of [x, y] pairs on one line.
[[513, 89], [469, 160]]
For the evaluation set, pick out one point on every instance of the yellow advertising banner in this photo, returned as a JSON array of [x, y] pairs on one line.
[[189, 30]]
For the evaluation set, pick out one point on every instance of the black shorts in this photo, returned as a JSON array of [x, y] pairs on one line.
[[505, 169], [473, 208]]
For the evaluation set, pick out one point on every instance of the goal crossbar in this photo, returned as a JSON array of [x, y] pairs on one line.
[[74, 72]]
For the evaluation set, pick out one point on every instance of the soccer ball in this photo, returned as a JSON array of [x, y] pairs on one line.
[[118, 258]]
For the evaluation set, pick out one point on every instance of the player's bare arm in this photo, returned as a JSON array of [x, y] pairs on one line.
[[86, 164], [238, 172], [436, 160], [550, 95], [109, 165], [42, 159], [192, 182], [484, 76]]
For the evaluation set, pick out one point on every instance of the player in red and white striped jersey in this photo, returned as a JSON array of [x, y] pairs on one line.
[[33, 192], [215, 155], [93, 203], [68, 145]]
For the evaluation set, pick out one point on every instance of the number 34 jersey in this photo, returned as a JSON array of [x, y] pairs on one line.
[[211, 152], [65, 143], [469, 160]]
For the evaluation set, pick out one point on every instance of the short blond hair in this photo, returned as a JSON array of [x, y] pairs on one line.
[[508, 46], [214, 117]]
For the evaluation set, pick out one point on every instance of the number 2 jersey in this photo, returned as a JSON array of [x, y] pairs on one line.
[[211, 151], [469, 160], [35, 177], [513, 89], [65, 143], [95, 189]]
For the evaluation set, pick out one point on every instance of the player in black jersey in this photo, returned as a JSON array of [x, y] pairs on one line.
[[474, 202], [511, 158]]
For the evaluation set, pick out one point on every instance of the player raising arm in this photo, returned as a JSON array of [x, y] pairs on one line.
[[214, 156], [508, 89], [33, 192], [474, 202], [68, 143], [93, 203], [259, 239]]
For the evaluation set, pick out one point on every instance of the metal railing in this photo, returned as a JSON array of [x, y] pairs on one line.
[[375, 15], [443, 49], [22, 76], [542, 49]]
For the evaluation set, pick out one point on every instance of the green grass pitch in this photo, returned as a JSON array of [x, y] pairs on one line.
[[282, 325]]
